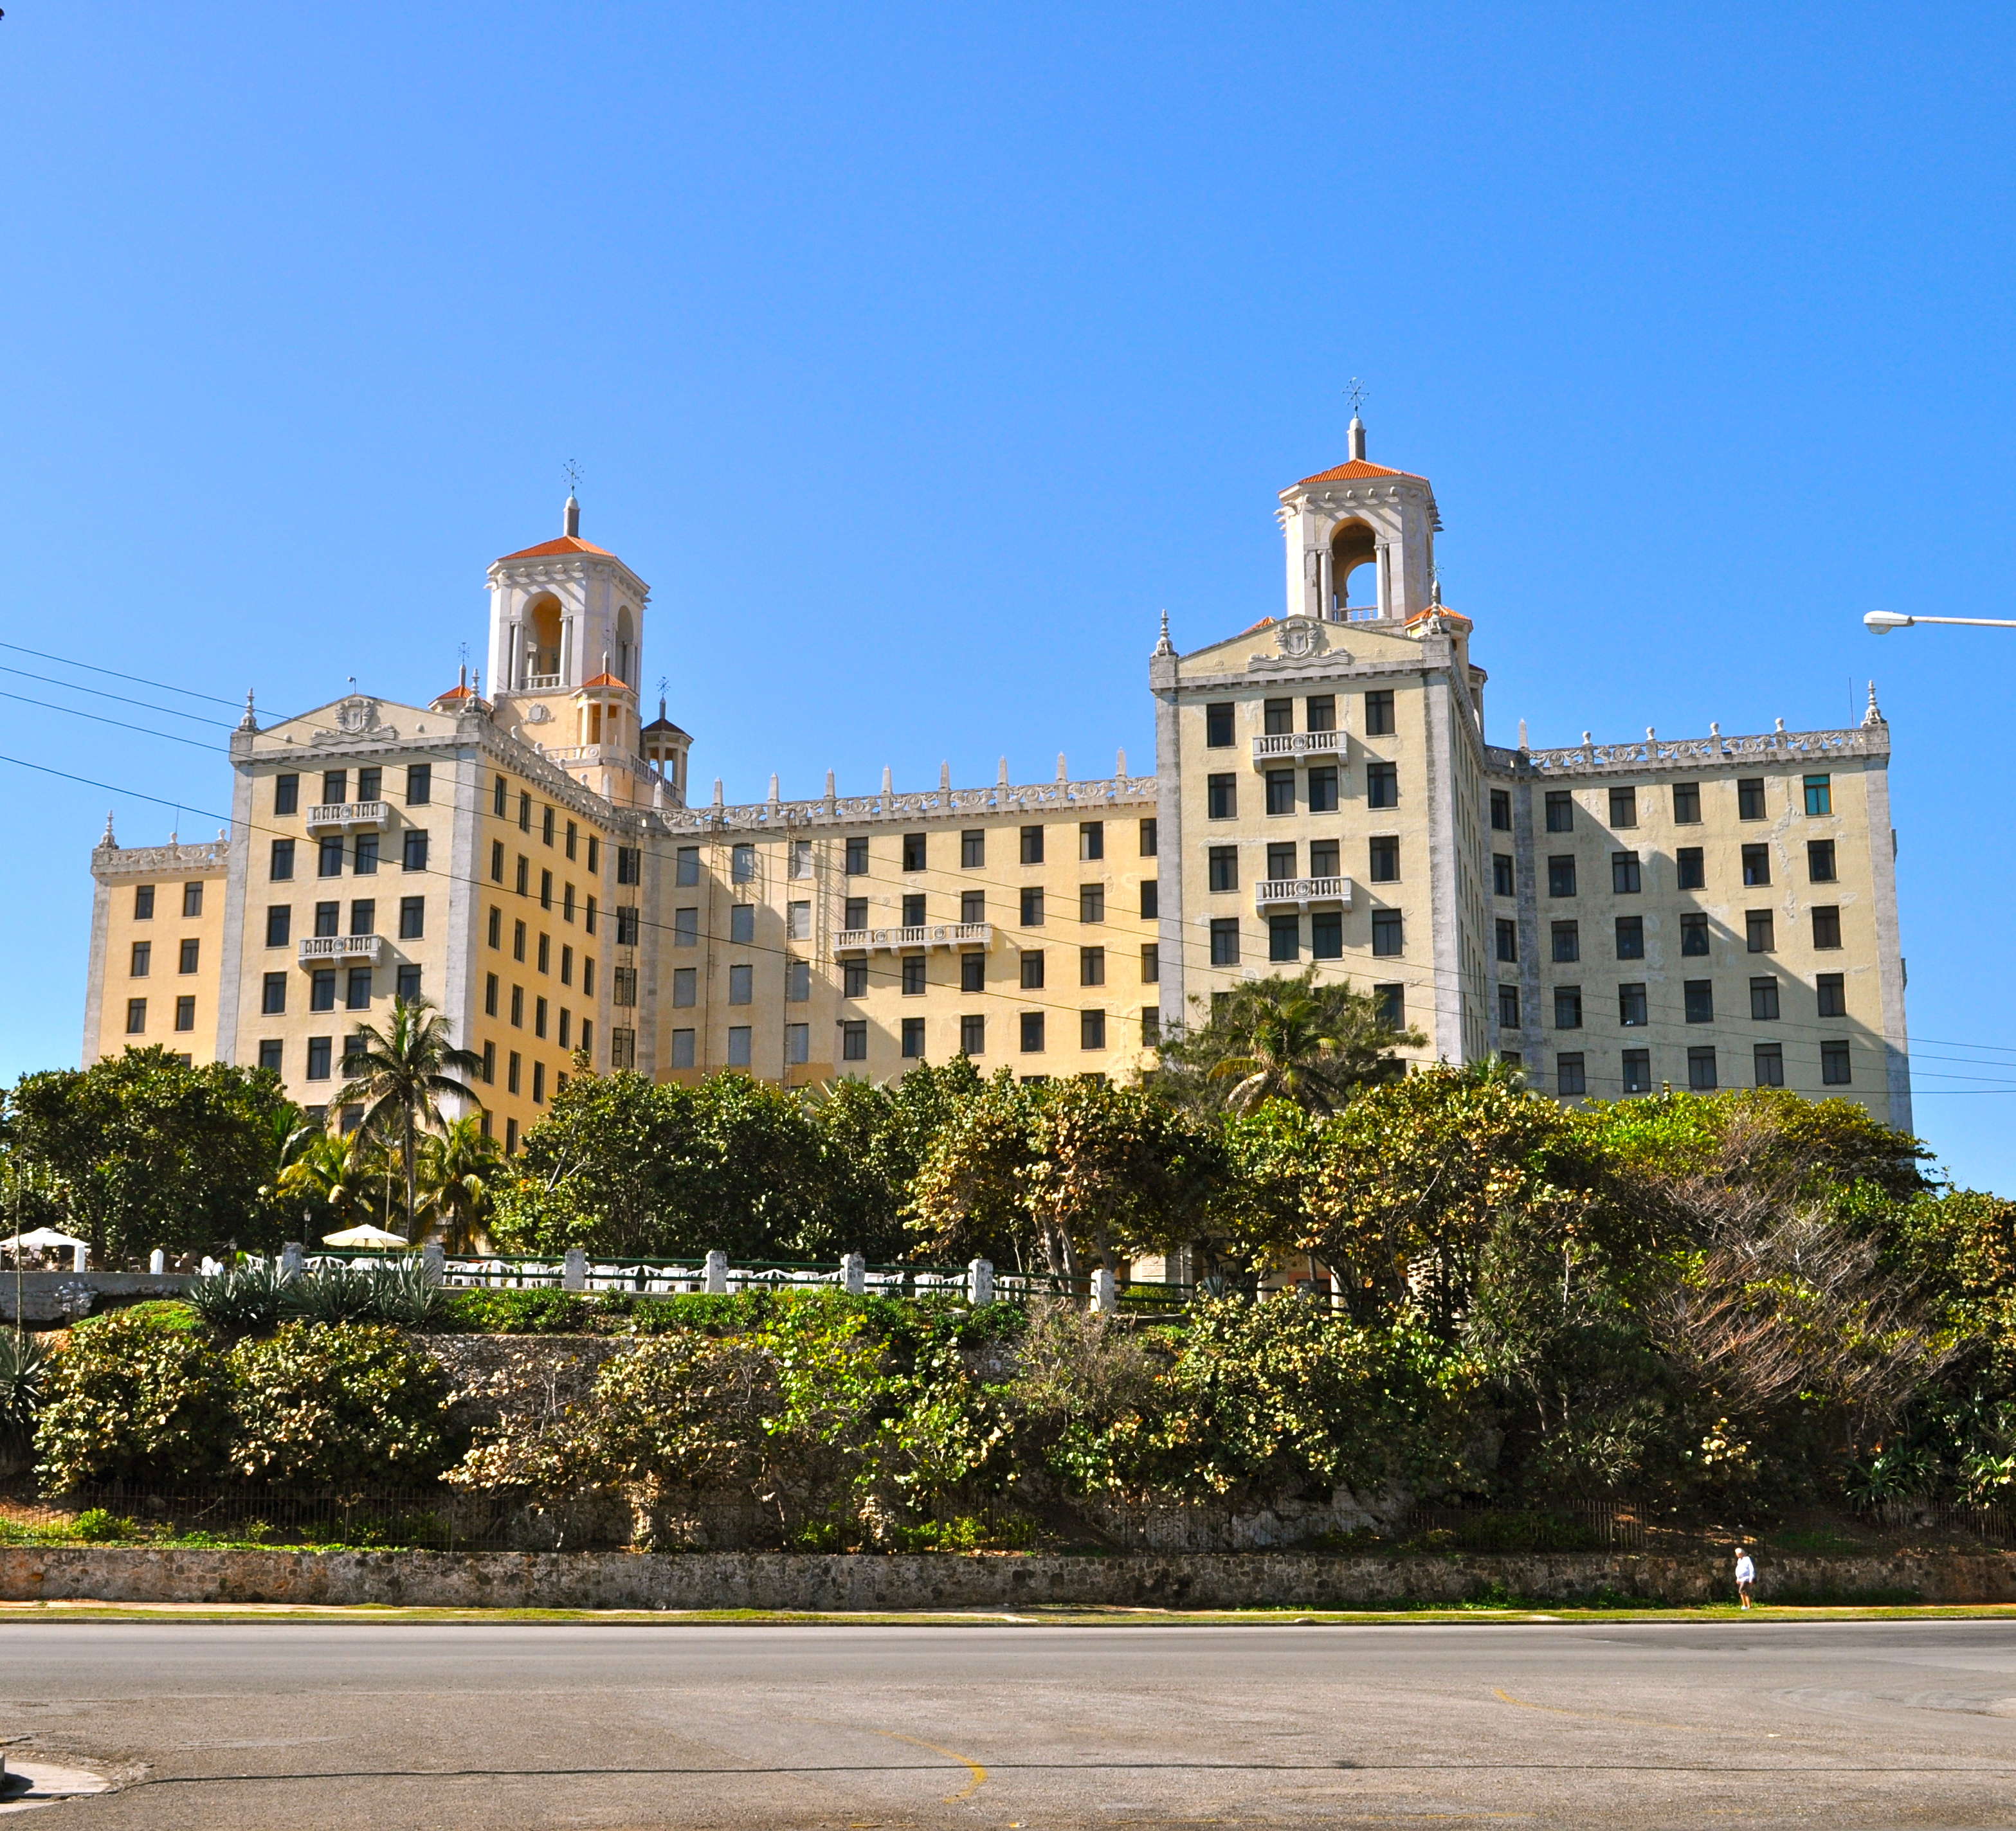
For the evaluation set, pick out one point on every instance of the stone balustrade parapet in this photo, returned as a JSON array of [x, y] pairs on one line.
[[1715, 750], [144, 861], [317, 948], [1291, 747], [348, 814], [1274, 892], [1089, 797], [929, 934]]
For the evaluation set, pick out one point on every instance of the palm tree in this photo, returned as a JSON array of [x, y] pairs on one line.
[[400, 1076], [457, 1164], [332, 1171]]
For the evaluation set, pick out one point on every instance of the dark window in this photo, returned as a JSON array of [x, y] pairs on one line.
[[412, 918], [1567, 1007], [490, 989], [1323, 789], [1561, 875], [1694, 934], [524, 811], [913, 851], [334, 787], [854, 979], [1321, 709], [498, 789], [1768, 1064], [1503, 882], [136, 1016], [1759, 931], [420, 784], [627, 925], [1631, 1006], [286, 794], [1032, 845], [143, 894], [1820, 794], [273, 994], [1763, 1000], [1383, 856], [1624, 806], [914, 914], [629, 864], [1225, 940], [972, 974], [1149, 838], [1151, 962], [370, 784], [1151, 900], [1032, 1032], [518, 1007], [271, 1054], [1388, 933], [1379, 713], [413, 850], [1820, 861], [322, 989], [1833, 1065], [1693, 874], [854, 1040], [1326, 934], [854, 916], [497, 861], [1756, 865], [1631, 938], [357, 993], [1508, 939], [857, 855], [364, 915], [1222, 863], [595, 861], [972, 905], [546, 826], [1569, 1076], [1278, 718], [280, 925], [1091, 839], [1032, 908], [1221, 795], [1218, 724], [973, 1034], [973, 850], [1280, 791], [1091, 902], [409, 986], [1284, 938], [1700, 1070], [913, 975], [1092, 1029], [1561, 811], [1827, 925], [1032, 969], [1637, 1071], [1323, 859], [364, 861], [1382, 785], [1501, 810], [1508, 1007], [1568, 940], [1686, 803], [320, 1049], [1390, 1005], [190, 953], [1624, 877], [1699, 994], [1151, 1028], [1750, 798], [330, 857], [518, 934], [328, 919], [1832, 989], [914, 1038]]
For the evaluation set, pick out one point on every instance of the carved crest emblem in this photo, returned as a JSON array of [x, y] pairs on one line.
[[357, 717], [1296, 638]]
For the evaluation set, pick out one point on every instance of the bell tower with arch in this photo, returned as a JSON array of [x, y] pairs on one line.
[[1360, 541], [561, 614]]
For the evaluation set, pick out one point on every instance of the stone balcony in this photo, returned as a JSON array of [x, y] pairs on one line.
[[1296, 747], [321, 949], [1281, 893], [348, 816], [929, 934]]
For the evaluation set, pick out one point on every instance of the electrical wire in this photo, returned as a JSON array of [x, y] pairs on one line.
[[113, 673]]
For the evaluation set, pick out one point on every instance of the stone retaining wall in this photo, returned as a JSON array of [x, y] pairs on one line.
[[721, 1580]]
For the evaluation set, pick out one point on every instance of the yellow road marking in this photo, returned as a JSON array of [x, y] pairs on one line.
[[966, 1762]]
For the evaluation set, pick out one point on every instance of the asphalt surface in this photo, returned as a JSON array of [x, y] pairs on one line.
[[1902, 1724]]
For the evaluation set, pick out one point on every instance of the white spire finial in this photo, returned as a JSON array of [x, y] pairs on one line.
[[1874, 714], [773, 788], [1165, 646], [109, 840], [1523, 744], [1120, 764], [1356, 395], [888, 780], [570, 515], [1001, 775], [945, 778], [1064, 774], [250, 720]]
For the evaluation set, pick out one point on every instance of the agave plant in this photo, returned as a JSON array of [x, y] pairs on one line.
[[240, 1299], [400, 1293], [24, 1368]]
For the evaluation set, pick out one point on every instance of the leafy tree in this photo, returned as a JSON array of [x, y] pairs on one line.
[[1283, 1038], [400, 1075], [460, 1167], [874, 1138], [140, 1151]]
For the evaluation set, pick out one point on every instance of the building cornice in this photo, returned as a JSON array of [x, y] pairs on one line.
[[108, 861], [940, 804], [1650, 752]]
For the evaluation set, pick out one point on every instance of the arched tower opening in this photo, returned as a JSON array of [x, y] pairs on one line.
[[542, 618], [626, 647], [1353, 571]]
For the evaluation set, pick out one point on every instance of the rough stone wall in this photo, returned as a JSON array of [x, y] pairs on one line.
[[719, 1579]]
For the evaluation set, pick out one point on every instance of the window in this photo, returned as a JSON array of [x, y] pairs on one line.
[[1382, 785], [1323, 859], [497, 861], [1760, 930], [1567, 1007], [588, 915], [496, 929], [1091, 839], [1151, 962], [623, 1048], [1218, 724], [1151, 1027], [518, 932], [1508, 1007], [1827, 925], [1225, 940], [685, 865], [1280, 791], [742, 924], [972, 908], [1281, 862], [1624, 806], [1700, 1070], [1277, 717], [370, 784], [1832, 990], [510, 1136], [1149, 837], [1032, 1032], [518, 1007], [1692, 874], [327, 917], [1092, 1029], [1637, 1071], [498, 790], [1387, 932], [1032, 908], [854, 916], [913, 972], [1763, 1000], [1767, 1062], [136, 1016], [1569, 1076], [142, 960], [524, 875], [1501, 810], [412, 918], [739, 1037], [273, 994], [1699, 996], [1032, 970], [408, 984], [280, 868], [357, 991], [854, 979], [334, 787], [973, 1034], [1820, 794], [1625, 878], [364, 915], [594, 866], [192, 899], [972, 972], [1694, 934], [328, 857], [413, 850], [271, 1054], [1326, 934], [627, 926], [913, 851], [1503, 882], [1508, 940], [1284, 938], [1092, 966], [854, 1040], [1323, 789], [686, 986], [1833, 1065], [1561, 875], [286, 794], [1322, 712], [1631, 1006], [1750, 798], [798, 1044], [1756, 865], [322, 989], [914, 1038], [573, 839], [320, 1050], [1032, 845], [143, 894], [798, 921], [364, 859], [1222, 863], [185, 1014], [490, 994], [567, 903], [1561, 811], [799, 857], [741, 985], [1092, 903], [1221, 796], [1686, 803], [1151, 900], [1390, 1005], [1820, 861], [524, 811], [742, 863], [1631, 938], [1379, 713], [629, 859]]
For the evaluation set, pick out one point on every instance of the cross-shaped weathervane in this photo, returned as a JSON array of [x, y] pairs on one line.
[[1356, 395], [573, 477]]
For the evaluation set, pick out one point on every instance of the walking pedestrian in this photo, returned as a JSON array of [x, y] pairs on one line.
[[1746, 1574]]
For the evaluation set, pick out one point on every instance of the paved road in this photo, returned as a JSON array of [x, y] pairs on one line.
[[1903, 1723]]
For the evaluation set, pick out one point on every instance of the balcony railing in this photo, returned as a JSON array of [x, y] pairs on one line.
[[1272, 893], [1292, 746], [316, 948], [540, 683], [929, 934], [346, 814]]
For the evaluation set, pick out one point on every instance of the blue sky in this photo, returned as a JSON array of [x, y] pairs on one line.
[[918, 356]]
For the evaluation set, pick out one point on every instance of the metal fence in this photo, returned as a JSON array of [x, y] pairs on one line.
[[1995, 1523]]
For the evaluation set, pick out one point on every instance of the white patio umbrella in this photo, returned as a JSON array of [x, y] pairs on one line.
[[366, 1235], [38, 1239]]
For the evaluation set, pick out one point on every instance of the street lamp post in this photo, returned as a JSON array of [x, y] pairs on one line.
[[1882, 622]]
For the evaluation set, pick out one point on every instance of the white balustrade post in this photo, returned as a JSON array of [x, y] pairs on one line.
[[573, 1270], [1103, 1299], [158, 1261], [717, 1274], [293, 1259], [434, 1264], [854, 1274], [979, 1282], [80, 1258]]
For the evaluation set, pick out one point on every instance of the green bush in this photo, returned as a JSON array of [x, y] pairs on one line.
[[133, 1398], [239, 1299], [337, 1405]]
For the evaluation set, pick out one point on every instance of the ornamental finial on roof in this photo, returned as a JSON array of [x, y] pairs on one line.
[[1356, 395], [570, 515], [1874, 714], [250, 721], [109, 840], [1165, 646]]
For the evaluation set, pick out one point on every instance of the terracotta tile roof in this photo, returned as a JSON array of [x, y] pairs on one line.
[[455, 692], [605, 680], [1355, 469], [565, 544], [665, 725], [1261, 624]]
